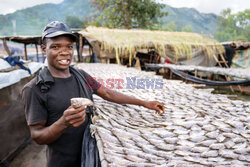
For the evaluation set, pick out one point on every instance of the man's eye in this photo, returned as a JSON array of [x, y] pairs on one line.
[[54, 47], [70, 47]]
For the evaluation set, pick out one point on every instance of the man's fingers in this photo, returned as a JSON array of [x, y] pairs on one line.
[[81, 108], [76, 124], [72, 122], [160, 109], [72, 111], [76, 116]]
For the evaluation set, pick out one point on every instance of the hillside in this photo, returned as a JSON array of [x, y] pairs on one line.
[[30, 21], [200, 22]]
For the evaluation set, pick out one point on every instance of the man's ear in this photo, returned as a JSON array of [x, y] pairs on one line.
[[43, 47]]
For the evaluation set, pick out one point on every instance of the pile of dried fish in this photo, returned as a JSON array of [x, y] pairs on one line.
[[197, 129]]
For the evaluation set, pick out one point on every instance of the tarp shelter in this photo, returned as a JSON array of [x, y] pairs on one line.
[[26, 40], [242, 54], [175, 46]]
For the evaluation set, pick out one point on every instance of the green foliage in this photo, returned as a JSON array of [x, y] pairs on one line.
[[169, 27], [231, 27], [188, 28], [74, 22], [128, 14]]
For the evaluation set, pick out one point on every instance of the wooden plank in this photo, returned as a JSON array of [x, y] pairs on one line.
[[6, 48], [37, 59], [25, 52], [80, 59]]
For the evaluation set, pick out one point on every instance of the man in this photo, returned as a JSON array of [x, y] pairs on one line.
[[51, 118]]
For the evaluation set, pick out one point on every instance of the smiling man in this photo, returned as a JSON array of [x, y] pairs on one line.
[[51, 118]]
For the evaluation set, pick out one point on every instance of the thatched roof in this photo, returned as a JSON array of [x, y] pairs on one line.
[[24, 39], [124, 43]]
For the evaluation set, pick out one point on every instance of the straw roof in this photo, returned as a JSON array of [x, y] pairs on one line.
[[125, 43]]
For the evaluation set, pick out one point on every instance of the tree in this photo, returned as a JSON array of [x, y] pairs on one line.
[[74, 22], [128, 13], [171, 26], [232, 27], [188, 28]]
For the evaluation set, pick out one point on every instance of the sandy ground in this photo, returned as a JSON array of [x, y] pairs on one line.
[[32, 155]]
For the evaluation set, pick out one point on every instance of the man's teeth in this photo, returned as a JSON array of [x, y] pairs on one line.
[[64, 61]]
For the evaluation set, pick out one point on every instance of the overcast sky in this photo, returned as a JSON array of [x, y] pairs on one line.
[[205, 6]]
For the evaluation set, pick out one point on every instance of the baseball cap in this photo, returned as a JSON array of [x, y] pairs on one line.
[[57, 28]]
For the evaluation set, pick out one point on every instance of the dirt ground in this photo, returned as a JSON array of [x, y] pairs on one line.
[[32, 155]]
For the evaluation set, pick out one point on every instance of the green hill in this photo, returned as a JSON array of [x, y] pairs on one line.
[[200, 22], [30, 21]]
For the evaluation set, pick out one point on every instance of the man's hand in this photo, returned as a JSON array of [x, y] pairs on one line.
[[155, 105], [74, 117]]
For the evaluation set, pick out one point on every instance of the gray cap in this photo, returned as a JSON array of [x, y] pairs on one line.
[[56, 28]]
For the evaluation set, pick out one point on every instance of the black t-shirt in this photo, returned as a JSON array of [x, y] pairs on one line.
[[49, 106]]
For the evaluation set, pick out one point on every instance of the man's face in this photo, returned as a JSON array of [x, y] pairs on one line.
[[59, 51]]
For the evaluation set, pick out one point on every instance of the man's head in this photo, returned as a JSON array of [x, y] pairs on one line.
[[56, 28], [58, 45]]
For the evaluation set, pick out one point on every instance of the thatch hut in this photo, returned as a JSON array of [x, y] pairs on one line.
[[175, 46]]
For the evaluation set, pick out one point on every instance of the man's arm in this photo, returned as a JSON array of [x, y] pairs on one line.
[[120, 98], [45, 135]]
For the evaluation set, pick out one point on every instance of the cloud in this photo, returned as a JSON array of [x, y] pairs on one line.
[[9, 6]]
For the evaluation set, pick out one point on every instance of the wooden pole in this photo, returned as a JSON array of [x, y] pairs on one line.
[[6, 47], [222, 57], [25, 52], [171, 74], [195, 73], [227, 78], [80, 49], [37, 59]]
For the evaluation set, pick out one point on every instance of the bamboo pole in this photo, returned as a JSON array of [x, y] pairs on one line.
[[6, 47]]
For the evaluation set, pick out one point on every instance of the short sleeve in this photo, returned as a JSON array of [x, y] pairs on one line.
[[34, 106], [92, 83]]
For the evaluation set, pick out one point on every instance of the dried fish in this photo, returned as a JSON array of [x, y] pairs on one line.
[[207, 143], [228, 154], [171, 140], [229, 144], [107, 137], [213, 134], [197, 138], [220, 138], [209, 128], [135, 159], [208, 154], [242, 151], [79, 101], [186, 143], [163, 133], [217, 146], [199, 149], [190, 133]]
